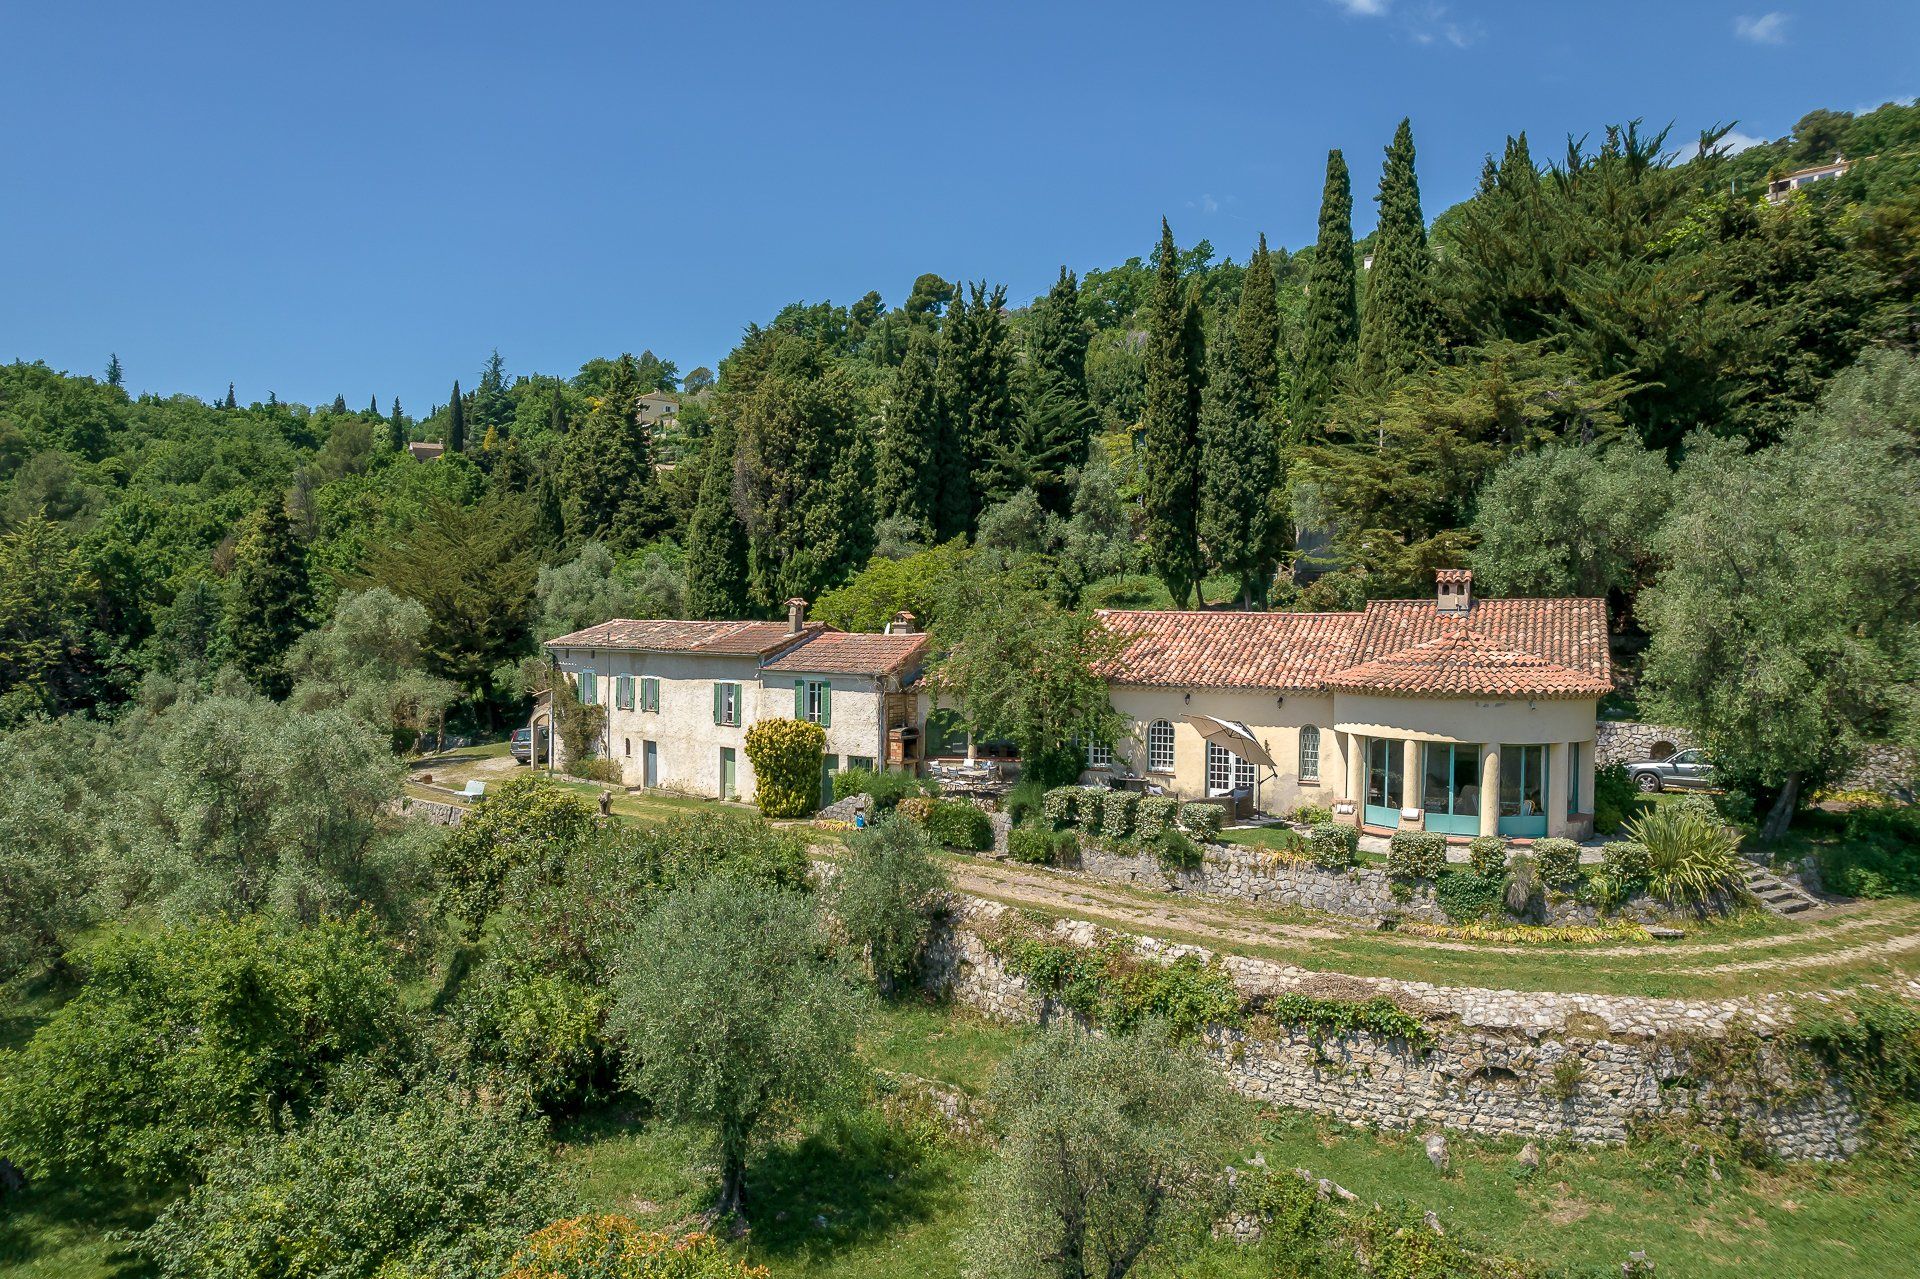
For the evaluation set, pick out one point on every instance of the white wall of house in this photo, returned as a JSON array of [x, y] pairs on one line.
[[1275, 718], [855, 729]]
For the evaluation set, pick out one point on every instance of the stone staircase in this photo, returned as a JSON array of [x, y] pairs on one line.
[[1780, 896]]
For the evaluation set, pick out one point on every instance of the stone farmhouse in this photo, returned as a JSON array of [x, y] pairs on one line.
[[1452, 714]]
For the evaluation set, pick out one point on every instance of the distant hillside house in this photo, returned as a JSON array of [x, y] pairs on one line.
[[680, 695], [1463, 716], [657, 408], [1787, 183], [425, 451]]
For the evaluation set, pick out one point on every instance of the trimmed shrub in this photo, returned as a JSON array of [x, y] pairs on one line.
[[917, 808], [1613, 798], [1333, 845], [1701, 806], [1312, 814], [885, 788], [1487, 854], [1153, 814], [1416, 854], [1202, 821], [1031, 844], [1175, 852], [1559, 862], [1626, 863], [958, 824], [1466, 897], [786, 755], [1061, 805], [1116, 813], [1088, 808]]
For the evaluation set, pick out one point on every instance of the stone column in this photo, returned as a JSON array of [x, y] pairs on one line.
[[1490, 788], [1410, 774], [1356, 771], [1558, 758]]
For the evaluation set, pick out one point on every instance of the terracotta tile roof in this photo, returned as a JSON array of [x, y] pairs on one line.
[[734, 639], [1508, 648], [1465, 663], [1230, 650], [841, 652]]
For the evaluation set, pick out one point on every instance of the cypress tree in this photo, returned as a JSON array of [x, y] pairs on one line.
[[115, 374], [373, 407], [231, 403], [1256, 330], [1397, 330], [1237, 465], [557, 411], [267, 597], [1170, 449], [908, 475], [340, 404], [1056, 416], [1331, 328], [607, 469], [716, 541], [976, 395], [456, 421], [397, 427]]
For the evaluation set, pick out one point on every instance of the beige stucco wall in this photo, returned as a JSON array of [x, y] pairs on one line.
[[688, 741], [1275, 718]]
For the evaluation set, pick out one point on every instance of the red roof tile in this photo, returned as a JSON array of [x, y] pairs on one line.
[[841, 652], [737, 639], [1517, 647]]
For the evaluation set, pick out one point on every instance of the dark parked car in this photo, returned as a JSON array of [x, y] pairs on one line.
[[521, 744], [1682, 770]]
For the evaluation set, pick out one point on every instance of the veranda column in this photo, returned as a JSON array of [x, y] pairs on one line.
[[1410, 774], [1490, 789], [1557, 758], [1356, 782]]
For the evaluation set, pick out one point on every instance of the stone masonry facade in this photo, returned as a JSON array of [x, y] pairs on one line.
[[1884, 766], [1499, 1065]]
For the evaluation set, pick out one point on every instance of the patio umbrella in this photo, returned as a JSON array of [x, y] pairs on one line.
[[1236, 737]]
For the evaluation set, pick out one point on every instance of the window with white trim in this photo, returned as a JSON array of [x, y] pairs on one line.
[[589, 688], [623, 692], [1160, 747], [1310, 754], [1099, 755], [1226, 771]]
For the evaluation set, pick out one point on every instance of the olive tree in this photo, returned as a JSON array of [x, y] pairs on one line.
[[1109, 1148], [885, 896], [729, 1007]]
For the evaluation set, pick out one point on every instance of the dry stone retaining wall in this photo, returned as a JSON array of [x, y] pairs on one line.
[[1882, 767], [1491, 1070]]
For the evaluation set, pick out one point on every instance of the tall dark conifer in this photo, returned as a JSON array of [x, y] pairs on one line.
[[1170, 447], [339, 404], [397, 427], [976, 399], [1056, 417], [716, 540], [267, 597], [231, 403], [115, 374], [557, 411], [908, 475], [457, 421], [1238, 459], [1256, 330], [607, 467], [1398, 333], [1331, 329]]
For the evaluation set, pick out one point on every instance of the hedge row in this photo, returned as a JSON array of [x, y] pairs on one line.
[[1119, 814]]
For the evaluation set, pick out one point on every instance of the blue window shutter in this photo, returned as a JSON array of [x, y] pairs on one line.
[[826, 704]]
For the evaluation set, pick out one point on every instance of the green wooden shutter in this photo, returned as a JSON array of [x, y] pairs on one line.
[[589, 688], [826, 704], [716, 702], [800, 699]]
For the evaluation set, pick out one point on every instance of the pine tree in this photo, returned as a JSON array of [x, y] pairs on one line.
[[557, 411], [267, 597], [716, 540], [1057, 419], [607, 469], [1238, 459], [1331, 329], [492, 409], [1398, 333], [115, 374], [1170, 452], [340, 404], [908, 477], [456, 421], [1256, 328], [231, 402], [976, 399], [397, 427]]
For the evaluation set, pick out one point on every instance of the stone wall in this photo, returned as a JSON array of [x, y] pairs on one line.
[[1495, 1066], [430, 810], [1882, 767], [1239, 873]]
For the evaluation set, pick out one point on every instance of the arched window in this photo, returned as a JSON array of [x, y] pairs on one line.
[[1160, 747], [1310, 754]]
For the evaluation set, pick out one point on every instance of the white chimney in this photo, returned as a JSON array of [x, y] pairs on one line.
[[796, 615], [903, 623], [1455, 592]]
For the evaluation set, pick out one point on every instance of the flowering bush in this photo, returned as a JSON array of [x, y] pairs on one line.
[[1488, 856], [1559, 862], [1333, 845], [1089, 809], [1061, 805], [786, 756], [1116, 813], [1153, 814], [1416, 854], [1202, 821], [615, 1247]]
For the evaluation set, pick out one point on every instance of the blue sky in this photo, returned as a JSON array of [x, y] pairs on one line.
[[367, 198]]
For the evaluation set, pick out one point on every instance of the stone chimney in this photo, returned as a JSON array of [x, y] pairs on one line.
[[1455, 596], [903, 623], [796, 615]]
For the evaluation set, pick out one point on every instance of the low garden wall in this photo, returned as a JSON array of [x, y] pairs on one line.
[[1497, 1063], [1238, 873], [1882, 767]]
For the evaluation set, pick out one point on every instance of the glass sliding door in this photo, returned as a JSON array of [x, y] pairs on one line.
[[1523, 791], [1450, 788], [1386, 783]]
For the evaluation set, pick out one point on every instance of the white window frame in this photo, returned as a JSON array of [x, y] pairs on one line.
[[1160, 746], [1099, 755], [729, 704], [1226, 770], [1310, 753], [815, 700], [589, 687]]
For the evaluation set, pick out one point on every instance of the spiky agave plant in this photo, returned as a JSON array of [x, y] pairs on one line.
[[1690, 855]]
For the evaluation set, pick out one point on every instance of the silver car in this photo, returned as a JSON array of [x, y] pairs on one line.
[[1682, 770]]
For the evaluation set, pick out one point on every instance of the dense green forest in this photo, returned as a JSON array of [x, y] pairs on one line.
[[1517, 385]]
